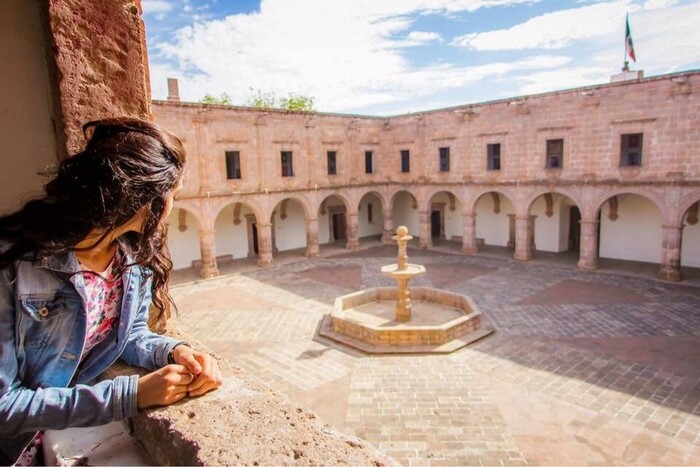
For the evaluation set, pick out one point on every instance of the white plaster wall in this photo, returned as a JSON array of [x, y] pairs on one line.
[[290, 233], [232, 239], [453, 219], [635, 235], [690, 246], [26, 133], [323, 220], [365, 229], [493, 228], [551, 233], [183, 246], [404, 214]]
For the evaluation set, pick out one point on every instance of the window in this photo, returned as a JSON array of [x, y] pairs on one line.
[[493, 156], [287, 165], [370, 218], [444, 159], [631, 149], [555, 153], [368, 162], [405, 161], [233, 165], [330, 157]]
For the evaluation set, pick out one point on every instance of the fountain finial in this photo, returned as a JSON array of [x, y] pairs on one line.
[[402, 239]]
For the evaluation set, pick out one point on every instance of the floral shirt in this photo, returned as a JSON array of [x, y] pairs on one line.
[[103, 294]]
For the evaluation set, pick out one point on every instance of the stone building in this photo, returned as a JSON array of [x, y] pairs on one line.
[[607, 171]]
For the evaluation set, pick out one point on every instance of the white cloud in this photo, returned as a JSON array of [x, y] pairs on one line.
[[424, 37], [156, 7], [353, 55], [552, 30]]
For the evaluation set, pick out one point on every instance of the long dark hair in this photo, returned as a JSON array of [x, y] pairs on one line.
[[127, 164]]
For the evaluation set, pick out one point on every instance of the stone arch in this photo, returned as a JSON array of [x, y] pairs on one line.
[[301, 200], [333, 218], [603, 197], [378, 194], [629, 225], [235, 227], [252, 205], [494, 219], [288, 219], [555, 219], [370, 215], [574, 197], [183, 236], [190, 210], [501, 191], [690, 233], [445, 215], [404, 207]]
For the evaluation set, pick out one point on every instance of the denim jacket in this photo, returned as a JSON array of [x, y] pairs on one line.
[[43, 383]]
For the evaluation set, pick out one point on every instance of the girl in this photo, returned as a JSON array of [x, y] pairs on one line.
[[79, 270]]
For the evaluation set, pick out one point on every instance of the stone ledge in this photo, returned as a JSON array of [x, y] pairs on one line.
[[243, 422]]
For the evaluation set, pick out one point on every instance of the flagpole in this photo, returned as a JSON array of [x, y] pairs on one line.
[[625, 63]]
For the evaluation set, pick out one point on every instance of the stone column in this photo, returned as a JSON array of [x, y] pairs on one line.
[[264, 244], [511, 231], [387, 226], [523, 238], [207, 247], [469, 245], [424, 221], [670, 253], [588, 249], [352, 231], [312, 249]]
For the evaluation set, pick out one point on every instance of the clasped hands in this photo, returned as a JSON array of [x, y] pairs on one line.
[[193, 374]]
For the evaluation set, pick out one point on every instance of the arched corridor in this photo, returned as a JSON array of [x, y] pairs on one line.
[[183, 238], [445, 217], [289, 226], [236, 233], [494, 220], [370, 216]]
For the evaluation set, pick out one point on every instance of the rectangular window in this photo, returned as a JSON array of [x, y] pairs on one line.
[[330, 157], [555, 154], [631, 149], [233, 165], [405, 161], [370, 218], [444, 159], [493, 156], [368, 162], [287, 165]]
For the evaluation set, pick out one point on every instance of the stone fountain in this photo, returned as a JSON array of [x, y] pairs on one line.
[[401, 319]]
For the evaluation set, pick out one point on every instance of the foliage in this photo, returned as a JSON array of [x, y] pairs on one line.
[[267, 100], [223, 99]]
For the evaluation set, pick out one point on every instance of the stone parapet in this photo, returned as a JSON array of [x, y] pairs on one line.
[[243, 422]]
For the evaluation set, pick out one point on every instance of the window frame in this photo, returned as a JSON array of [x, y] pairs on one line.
[[405, 161], [625, 149], [493, 156], [233, 168], [288, 166], [550, 154], [369, 162], [332, 162], [444, 159]]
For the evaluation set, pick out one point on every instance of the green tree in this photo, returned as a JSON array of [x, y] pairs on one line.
[[223, 99], [297, 102], [262, 100]]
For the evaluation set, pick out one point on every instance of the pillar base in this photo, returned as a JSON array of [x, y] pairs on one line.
[[470, 250], [209, 272], [353, 245], [669, 274], [425, 244], [264, 262], [312, 252], [586, 265], [518, 256], [386, 238]]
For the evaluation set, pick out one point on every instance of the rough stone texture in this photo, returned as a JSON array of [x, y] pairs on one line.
[[244, 422], [98, 79]]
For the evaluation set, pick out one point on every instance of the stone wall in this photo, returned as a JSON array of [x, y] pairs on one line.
[[101, 64]]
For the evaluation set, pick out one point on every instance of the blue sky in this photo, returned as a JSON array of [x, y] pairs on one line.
[[378, 57]]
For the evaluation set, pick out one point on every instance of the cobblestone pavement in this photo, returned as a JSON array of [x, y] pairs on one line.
[[583, 369]]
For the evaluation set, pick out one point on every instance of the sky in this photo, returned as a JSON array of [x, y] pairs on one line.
[[390, 57]]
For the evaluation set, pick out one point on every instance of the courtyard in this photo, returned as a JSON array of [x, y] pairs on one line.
[[584, 368]]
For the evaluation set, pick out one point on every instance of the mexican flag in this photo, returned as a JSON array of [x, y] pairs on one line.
[[629, 46]]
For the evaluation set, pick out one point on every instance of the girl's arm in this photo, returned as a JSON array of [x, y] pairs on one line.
[[144, 348]]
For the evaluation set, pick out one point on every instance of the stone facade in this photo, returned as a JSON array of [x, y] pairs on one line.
[[590, 172]]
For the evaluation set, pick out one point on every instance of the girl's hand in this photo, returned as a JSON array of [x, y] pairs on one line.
[[164, 386], [202, 366]]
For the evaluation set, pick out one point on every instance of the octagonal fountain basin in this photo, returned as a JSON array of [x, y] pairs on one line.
[[441, 322]]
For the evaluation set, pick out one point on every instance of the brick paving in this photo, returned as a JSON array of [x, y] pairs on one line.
[[583, 369]]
